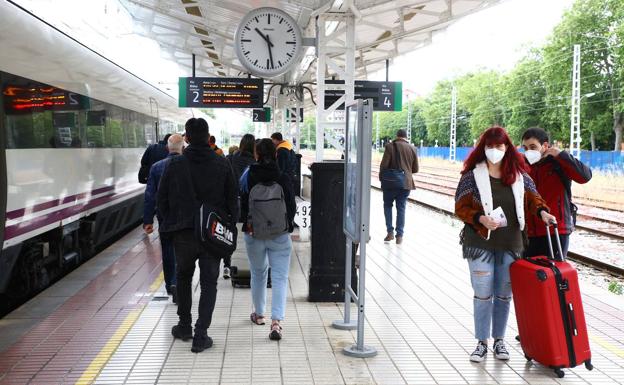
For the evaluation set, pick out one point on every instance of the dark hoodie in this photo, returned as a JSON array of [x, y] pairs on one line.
[[263, 173], [240, 161], [211, 181]]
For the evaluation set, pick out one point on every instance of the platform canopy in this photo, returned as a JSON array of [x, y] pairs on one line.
[[206, 28]]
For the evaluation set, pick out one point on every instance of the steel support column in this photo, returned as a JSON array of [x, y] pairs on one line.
[[575, 110], [331, 46]]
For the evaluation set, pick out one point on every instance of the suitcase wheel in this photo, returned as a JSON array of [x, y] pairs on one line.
[[233, 275], [588, 365], [560, 373], [527, 357]]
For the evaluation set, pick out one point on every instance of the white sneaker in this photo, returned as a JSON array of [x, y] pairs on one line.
[[226, 273], [500, 351], [479, 353]]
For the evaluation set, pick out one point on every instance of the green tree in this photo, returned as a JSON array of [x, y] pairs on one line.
[[525, 95], [597, 26], [481, 94]]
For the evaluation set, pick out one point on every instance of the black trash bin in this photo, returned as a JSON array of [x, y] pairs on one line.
[[327, 265]]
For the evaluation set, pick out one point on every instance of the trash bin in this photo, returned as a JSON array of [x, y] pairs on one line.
[[327, 265]]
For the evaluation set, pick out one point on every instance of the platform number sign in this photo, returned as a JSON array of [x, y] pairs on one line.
[[302, 215], [261, 115], [387, 96], [201, 92]]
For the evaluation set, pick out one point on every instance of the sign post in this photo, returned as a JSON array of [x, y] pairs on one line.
[[386, 96], [356, 215], [261, 115], [221, 92]]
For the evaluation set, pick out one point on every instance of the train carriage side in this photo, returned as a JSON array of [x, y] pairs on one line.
[[74, 125]]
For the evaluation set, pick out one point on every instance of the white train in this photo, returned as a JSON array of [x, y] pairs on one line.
[[73, 128]]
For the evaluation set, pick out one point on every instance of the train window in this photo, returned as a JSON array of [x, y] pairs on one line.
[[96, 123], [38, 115]]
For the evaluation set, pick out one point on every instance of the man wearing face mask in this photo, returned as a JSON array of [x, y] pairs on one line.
[[553, 171]]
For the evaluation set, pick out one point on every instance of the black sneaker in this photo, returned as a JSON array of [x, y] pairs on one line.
[[183, 333], [174, 294], [201, 343], [479, 353], [500, 351]]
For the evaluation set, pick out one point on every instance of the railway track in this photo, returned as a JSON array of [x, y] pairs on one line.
[[441, 184]]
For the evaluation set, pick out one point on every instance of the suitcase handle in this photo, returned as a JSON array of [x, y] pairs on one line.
[[572, 319], [550, 246]]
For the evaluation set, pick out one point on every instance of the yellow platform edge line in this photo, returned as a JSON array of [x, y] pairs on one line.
[[97, 364], [605, 344]]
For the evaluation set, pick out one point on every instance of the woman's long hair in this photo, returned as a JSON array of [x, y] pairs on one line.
[[265, 151], [247, 144], [512, 163]]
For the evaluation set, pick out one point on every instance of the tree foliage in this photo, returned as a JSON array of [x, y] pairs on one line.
[[537, 91]]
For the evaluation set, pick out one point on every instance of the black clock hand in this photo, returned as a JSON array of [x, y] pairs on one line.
[[270, 53], [264, 37]]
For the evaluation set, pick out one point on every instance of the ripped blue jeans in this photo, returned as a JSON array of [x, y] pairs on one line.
[[489, 275]]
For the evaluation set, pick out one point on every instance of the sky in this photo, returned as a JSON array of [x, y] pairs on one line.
[[495, 39]]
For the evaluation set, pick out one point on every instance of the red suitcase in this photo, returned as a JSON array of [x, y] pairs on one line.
[[549, 311]]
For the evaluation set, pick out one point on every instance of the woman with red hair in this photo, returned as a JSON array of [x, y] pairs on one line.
[[494, 197]]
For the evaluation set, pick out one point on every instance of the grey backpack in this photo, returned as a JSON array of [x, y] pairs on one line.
[[267, 211]]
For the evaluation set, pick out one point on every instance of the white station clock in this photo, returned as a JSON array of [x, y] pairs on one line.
[[268, 42]]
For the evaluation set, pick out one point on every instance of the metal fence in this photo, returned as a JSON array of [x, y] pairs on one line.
[[605, 161]]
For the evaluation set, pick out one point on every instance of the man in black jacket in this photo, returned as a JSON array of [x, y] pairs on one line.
[[153, 153], [208, 176]]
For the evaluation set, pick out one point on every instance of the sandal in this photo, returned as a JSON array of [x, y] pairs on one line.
[[257, 319], [276, 331]]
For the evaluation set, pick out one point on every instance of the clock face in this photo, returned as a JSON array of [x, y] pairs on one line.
[[268, 42]]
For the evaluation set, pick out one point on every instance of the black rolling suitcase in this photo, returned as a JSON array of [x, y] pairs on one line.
[[242, 277]]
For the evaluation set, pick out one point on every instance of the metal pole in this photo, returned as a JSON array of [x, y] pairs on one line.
[[377, 130], [409, 120], [453, 124], [387, 68], [193, 65], [320, 87], [575, 110], [298, 129], [347, 323]]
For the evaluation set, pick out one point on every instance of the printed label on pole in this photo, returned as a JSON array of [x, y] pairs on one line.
[[302, 216]]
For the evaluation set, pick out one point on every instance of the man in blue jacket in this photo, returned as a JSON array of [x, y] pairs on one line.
[[174, 147]]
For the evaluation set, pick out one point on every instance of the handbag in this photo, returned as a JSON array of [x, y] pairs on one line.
[[212, 229], [393, 178]]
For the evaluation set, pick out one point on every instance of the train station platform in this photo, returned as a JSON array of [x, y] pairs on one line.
[[105, 324]]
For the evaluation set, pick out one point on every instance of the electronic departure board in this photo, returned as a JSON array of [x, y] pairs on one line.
[[387, 96], [221, 92], [261, 115], [40, 97]]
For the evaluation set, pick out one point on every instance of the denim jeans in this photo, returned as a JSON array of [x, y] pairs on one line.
[[389, 197], [492, 293], [187, 251], [276, 254], [168, 260]]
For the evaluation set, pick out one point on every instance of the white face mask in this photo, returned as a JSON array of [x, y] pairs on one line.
[[494, 155], [533, 156]]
